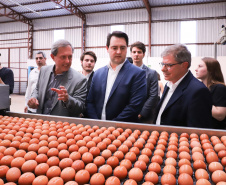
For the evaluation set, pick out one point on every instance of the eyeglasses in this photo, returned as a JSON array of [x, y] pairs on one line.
[[168, 66]]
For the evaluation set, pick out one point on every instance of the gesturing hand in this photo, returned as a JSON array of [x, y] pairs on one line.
[[62, 93]]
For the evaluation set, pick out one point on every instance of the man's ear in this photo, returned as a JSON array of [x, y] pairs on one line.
[[52, 56]]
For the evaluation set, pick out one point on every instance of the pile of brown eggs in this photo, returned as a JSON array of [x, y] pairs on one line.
[[41, 152]]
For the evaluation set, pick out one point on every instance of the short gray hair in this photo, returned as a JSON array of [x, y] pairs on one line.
[[180, 53], [41, 52], [59, 44]]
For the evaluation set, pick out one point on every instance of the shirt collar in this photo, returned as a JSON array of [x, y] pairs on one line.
[[53, 71], [118, 67], [174, 86]]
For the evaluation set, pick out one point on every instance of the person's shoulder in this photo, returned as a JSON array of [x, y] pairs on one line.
[[218, 87], [76, 74]]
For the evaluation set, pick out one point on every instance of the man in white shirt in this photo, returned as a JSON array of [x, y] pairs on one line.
[[40, 59], [88, 60], [185, 101], [118, 90]]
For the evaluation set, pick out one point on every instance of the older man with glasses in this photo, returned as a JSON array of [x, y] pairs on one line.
[[185, 100]]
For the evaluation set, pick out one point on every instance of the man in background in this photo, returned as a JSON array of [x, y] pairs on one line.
[[146, 115], [88, 60], [60, 90], [185, 101], [40, 59], [118, 90], [7, 77]]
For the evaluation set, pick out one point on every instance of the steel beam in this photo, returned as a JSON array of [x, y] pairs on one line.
[[30, 41], [7, 12], [69, 6], [148, 7]]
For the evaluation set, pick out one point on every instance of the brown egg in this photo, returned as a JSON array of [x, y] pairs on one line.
[[211, 157], [112, 161], [195, 144], [19, 153], [10, 151], [52, 152], [106, 170], [172, 154], [197, 149], [66, 162], [159, 152], [53, 171], [83, 150], [18, 162], [136, 174], [218, 147], [82, 177], [157, 158], [152, 177], [207, 146], [169, 169], [208, 151], [203, 182], [131, 156], [186, 169], [112, 180], [135, 150], [40, 180], [53, 161], [97, 179], [106, 153], [3, 171], [185, 179], [56, 181], [99, 160], [127, 163], [6, 160], [95, 151], [215, 166], [68, 174], [201, 174], [169, 179], [222, 154], [29, 166], [132, 182], [91, 168], [184, 143], [13, 174], [87, 157], [199, 164], [63, 154], [78, 165], [197, 156], [26, 178], [120, 172], [41, 169], [140, 164], [144, 158], [119, 155], [171, 161], [218, 176], [185, 155], [172, 147], [183, 149]]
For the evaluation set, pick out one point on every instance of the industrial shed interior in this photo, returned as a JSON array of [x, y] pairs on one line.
[[55, 150], [31, 26]]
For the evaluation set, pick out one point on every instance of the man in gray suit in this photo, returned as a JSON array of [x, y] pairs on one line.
[[60, 89], [146, 115]]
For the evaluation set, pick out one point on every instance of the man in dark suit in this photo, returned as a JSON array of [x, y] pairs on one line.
[[60, 90], [118, 90], [146, 115], [185, 101], [88, 60]]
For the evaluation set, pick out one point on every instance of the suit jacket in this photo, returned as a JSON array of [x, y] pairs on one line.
[[190, 105], [149, 107], [76, 85], [126, 98]]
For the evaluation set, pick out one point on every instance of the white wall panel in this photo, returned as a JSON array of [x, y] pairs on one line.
[[165, 33], [4, 57], [13, 27], [208, 50], [208, 30], [192, 11], [117, 17], [97, 36], [137, 32], [13, 36], [157, 50], [74, 37], [57, 22], [42, 39]]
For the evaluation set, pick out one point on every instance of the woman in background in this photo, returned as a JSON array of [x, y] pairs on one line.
[[209, 71]]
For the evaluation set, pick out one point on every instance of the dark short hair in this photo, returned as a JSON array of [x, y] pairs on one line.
[[42, 53], [138, 45], [91, 53], [118, 34], [59, 44], [180, 53]]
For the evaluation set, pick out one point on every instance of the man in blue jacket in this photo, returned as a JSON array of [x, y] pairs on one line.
[[185, 101], [118, 90]]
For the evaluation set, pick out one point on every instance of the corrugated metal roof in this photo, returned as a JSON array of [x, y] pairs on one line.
[[33, 9]]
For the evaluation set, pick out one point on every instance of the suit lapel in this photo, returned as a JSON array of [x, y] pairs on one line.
[[121, 74], [104, 81], [179, 90]]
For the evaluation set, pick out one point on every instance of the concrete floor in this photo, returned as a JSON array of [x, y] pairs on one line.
[[17, 103]]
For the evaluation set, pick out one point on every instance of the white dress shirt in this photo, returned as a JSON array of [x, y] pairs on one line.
[[112, 75], [172, 88], [32, 81]]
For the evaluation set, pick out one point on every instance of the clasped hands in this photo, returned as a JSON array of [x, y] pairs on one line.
[[62, 95]]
